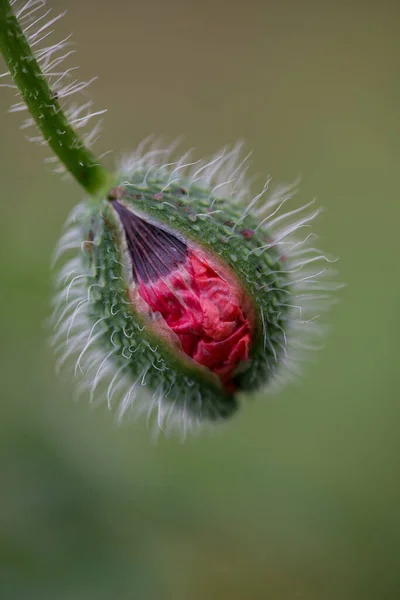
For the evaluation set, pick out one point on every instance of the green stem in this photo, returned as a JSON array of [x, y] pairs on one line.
[[45, 108]]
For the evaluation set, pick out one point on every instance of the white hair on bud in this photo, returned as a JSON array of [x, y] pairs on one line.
[[37, 22], [103, 369]]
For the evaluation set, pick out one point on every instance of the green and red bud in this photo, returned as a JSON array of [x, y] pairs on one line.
[[184, 291]]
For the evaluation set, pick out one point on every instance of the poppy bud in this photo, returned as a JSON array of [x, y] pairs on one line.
[[187, 289]]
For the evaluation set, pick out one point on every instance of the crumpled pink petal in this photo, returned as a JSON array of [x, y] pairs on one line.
[[205, 312]]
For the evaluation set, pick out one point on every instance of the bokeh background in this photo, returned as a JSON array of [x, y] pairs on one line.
[[298, 496]]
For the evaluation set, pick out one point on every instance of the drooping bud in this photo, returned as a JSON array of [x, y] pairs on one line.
[[185, 288]]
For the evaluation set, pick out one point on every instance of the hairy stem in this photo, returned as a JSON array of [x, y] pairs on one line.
[[45, 108]]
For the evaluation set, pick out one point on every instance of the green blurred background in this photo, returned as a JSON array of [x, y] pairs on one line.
[[298, 496]]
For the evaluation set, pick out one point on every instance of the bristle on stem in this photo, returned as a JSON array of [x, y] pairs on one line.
[[35, 70]]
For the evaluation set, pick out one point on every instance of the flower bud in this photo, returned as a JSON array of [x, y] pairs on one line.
[[185, 292]]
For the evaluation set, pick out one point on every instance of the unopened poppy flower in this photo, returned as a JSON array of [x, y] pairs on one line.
[[186, 292]]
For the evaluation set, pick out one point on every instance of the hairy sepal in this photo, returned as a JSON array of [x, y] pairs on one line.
[[254, 240]]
